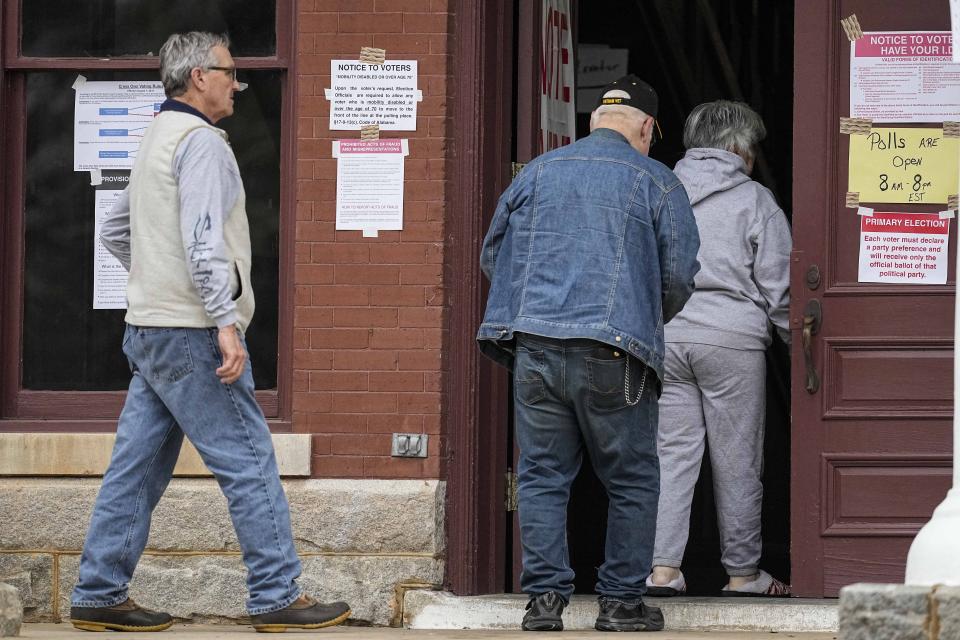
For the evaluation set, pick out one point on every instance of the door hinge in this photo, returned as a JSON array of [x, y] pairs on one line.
[[515, 168], [510, 499]]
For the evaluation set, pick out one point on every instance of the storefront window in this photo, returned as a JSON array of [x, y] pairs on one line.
[[60, 355], [101, 28], [67, 344]]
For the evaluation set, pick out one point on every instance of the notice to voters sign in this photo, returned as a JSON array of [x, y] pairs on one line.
[[904, 247], [904, 76], [363, 93]]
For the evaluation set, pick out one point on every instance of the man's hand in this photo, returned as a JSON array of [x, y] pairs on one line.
[[234, 355]]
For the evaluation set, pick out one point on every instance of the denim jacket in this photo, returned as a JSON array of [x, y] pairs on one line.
[[592, 240]]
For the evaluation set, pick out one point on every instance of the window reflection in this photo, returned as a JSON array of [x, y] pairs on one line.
[[99, 28]]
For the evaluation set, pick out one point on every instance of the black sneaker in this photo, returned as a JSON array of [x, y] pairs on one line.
[[627, 615], [303, 613], [126, 616], [543, 613]]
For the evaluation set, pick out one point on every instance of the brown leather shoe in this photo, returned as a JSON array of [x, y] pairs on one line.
[[126, 616], [303, 613]]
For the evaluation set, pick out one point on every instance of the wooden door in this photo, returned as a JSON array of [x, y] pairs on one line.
[[871, 446]]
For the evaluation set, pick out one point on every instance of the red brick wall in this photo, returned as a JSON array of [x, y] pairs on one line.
[[368, 318]]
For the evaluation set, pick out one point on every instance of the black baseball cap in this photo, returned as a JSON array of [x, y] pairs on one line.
[[631, 91]]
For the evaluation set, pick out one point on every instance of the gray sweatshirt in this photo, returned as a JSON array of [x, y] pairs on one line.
[[744, 281]]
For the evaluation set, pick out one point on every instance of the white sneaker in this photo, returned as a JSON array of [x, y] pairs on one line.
[[675, 587]]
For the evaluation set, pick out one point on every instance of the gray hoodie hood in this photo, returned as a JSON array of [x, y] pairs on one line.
[[743, 283], [705, 172]]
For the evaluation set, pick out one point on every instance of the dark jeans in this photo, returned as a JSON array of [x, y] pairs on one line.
[[569, 397]]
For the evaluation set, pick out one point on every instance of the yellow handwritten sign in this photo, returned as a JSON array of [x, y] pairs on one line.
[[903, 165]]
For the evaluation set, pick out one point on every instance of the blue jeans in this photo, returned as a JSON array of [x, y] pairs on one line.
[[175, 391], [570, 397]]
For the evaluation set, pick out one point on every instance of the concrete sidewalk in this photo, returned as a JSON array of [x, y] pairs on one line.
[[226, 632]]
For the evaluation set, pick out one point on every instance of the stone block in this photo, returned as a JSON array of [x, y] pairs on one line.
[[31, 574], [425, 609], [365, 516], [214, 587], [379, 516], [884, 612], [948, 612], [11, 611], [88, 454]]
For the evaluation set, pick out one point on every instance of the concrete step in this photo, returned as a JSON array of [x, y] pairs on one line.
[[424, 609]]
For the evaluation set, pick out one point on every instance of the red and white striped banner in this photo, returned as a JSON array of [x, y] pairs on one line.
[[557, 73]]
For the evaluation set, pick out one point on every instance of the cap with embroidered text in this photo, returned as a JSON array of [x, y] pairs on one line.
[[631, 91]]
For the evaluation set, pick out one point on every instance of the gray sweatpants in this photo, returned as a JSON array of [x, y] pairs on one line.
[[718, 395]]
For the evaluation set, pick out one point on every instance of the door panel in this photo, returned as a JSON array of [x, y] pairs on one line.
[[871, 447]]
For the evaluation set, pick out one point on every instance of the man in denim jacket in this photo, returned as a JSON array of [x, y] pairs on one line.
[[592, 249]]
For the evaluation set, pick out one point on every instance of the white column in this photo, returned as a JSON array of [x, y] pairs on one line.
[[934, 556]]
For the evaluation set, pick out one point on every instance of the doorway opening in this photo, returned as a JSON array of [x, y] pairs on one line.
[[694, 51]]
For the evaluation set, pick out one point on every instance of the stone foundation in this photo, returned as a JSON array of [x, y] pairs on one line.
[[11, 612], [899, 612], [363, 541]]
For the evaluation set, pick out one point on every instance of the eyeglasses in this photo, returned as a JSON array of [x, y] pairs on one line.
[[230, 72]]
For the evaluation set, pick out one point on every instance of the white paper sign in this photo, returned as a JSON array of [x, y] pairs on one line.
[[109, 276], [383, 94], [109, 121], [558, 124], [597, 66], [904, 248], [904, 76], [370, 184]]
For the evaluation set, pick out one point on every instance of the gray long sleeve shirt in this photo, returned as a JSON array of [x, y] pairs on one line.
[[208, 182], [744, 281]]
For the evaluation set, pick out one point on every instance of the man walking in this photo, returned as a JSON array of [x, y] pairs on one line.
[[180, 229], [591, 250]]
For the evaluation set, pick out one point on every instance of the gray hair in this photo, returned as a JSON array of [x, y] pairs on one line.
[[182, 53], [723, 124], [616, 111]]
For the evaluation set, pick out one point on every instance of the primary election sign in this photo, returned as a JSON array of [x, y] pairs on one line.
[[904, 247]]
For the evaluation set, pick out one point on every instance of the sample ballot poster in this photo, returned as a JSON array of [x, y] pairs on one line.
[[383, 94], [370, 184], [109, 121], [109, 276], [904, 76], [904, 248], [901, 165]]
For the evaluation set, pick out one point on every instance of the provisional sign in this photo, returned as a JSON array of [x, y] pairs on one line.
[[370, 184], [904, 247], [109, 276], [382, 94], [904, 76], [903, 166], [109, 121]]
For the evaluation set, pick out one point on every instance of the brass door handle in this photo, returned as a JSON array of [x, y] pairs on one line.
[[812, 317]]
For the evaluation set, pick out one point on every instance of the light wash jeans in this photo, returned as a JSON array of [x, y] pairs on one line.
[[175, 391], [569, 398]]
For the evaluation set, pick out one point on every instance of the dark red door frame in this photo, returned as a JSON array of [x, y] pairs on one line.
[[475, 389]]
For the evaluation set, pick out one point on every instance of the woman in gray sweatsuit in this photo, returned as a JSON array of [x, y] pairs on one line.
[[714, 386]]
